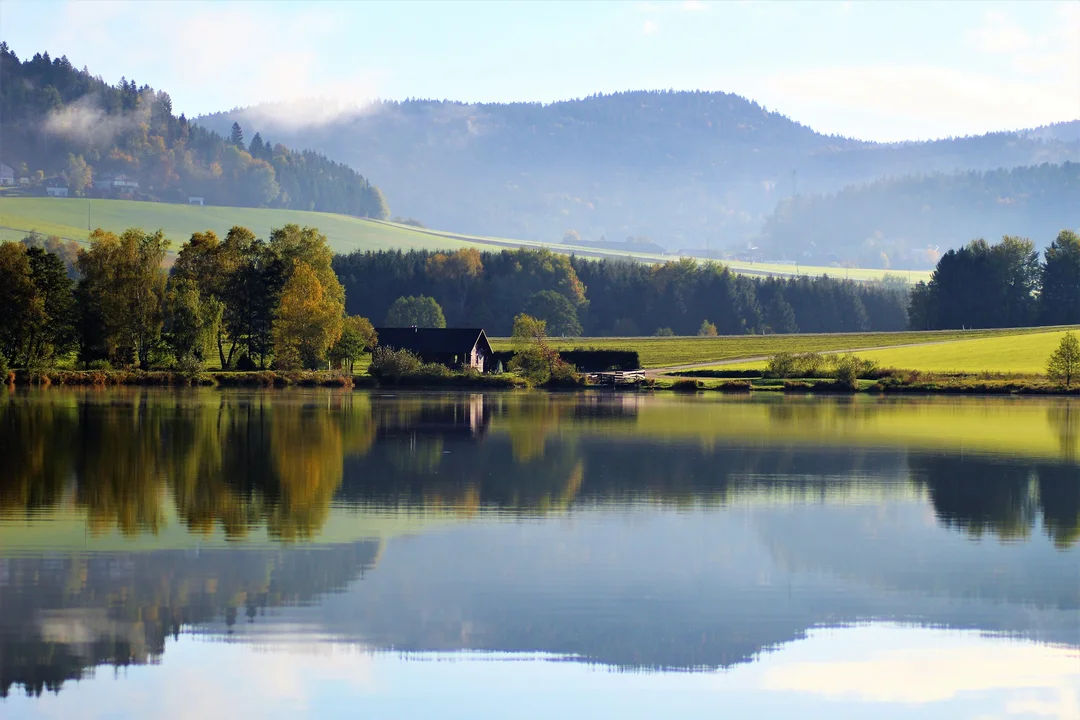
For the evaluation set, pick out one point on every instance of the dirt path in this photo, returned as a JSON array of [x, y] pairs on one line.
[[653, 372]]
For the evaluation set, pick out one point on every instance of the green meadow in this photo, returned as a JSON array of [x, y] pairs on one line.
[[1017, 352], [663, 352], [67, 218]]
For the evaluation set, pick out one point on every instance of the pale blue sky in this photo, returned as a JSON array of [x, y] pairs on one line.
[[874, 70]]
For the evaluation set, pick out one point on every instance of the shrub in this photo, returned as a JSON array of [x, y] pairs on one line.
[[386, 362], [563, 374], [664, 332], [687, 385], [849, 368], [4, 370], [736, 386], [531, 365], [390, 364], [781, 365], [810, 364]]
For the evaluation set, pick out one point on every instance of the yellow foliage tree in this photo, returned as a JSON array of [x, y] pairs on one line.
[[308, 323]]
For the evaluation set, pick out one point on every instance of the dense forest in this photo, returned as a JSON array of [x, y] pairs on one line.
[[59, 125], [684, 169], [589, 297], [908, 222], [1001, 285]]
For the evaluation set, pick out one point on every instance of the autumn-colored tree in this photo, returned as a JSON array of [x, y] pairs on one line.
[[533, 357], [308, 322], [79, 175], [456, 273]]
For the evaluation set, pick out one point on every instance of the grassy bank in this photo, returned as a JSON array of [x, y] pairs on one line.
[[255, 379], [895, 383], [661, 352]]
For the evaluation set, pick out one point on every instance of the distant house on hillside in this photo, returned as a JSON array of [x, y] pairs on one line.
[[453, 347], [56, 188], [115, 183], [7, 175]]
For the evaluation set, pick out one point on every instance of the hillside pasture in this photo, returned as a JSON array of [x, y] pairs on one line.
[[68, 218], [670, 352]]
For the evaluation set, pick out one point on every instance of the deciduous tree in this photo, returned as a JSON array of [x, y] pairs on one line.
[[421, 312], [308, 321], [357, 337], [1064, 363]]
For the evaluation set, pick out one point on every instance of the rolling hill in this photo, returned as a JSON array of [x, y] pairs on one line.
[[67, 218], [688, 170]]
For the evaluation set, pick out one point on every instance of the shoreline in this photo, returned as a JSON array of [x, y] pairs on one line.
[[888, 385]]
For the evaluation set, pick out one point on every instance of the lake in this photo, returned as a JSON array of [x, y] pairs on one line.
[[205, 553]]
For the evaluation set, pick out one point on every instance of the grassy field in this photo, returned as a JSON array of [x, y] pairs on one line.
[[659, 352], [67, 218], [1010, 354]]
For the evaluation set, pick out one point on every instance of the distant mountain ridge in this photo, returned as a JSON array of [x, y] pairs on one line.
[[684, 169]]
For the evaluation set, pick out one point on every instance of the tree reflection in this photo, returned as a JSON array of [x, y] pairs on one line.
[[232, 463]]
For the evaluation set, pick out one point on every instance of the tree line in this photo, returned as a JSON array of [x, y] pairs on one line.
[[242, 301], [577, 296], [1005, 284], [59, 121]]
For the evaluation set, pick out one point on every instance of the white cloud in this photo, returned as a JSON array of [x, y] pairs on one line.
[[226, 55], [998, 34], [650, 28], [894, 664], [1037, 81]]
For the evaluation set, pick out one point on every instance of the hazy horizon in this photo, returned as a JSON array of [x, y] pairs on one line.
[[883, 72]]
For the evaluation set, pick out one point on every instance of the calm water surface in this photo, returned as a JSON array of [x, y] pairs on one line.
[[208, 554]]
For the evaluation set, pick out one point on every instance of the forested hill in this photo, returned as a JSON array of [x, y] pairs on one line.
[[62, 126], [908, 222], [684, 169]]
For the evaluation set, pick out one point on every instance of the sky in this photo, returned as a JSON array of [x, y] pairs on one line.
[[873, 70]]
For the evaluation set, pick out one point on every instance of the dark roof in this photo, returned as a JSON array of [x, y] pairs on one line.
[[431, 340]]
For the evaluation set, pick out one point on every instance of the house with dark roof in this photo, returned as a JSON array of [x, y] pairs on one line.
[[453, 347]]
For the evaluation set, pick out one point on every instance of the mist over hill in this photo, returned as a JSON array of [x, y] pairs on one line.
[[684, 169], [65, 129]]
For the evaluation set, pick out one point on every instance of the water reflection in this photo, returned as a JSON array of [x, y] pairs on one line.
[[633, 532]]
